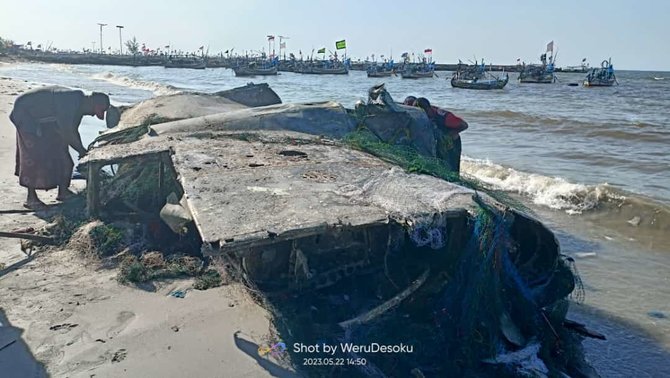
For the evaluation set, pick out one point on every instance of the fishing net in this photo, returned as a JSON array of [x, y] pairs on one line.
[[412, 161], [488, 320]]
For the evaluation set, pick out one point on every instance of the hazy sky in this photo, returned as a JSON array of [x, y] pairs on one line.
[[633, 33]]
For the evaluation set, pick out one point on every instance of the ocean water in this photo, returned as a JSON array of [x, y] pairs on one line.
[[592, 163]]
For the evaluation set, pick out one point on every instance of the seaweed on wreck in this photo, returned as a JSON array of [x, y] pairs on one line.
[[208, 279], [155, 266], [107, 239]]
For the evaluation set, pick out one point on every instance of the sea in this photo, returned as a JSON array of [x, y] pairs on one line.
[[591, 163]]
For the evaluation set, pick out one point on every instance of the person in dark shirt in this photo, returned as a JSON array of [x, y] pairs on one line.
[[47, 123], [448, 128]]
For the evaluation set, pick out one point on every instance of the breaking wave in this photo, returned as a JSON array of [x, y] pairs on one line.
[[553, 192], [125, 81], [641, 217]]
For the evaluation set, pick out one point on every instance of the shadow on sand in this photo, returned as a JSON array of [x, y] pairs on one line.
[[16, 360]]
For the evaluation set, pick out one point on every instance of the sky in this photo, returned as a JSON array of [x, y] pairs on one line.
[[632, 33]]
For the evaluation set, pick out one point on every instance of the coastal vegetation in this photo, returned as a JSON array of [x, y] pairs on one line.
[[5, 44], [132, 46]]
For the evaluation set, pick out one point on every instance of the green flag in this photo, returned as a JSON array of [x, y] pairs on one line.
[[321, 50], [341, 44]]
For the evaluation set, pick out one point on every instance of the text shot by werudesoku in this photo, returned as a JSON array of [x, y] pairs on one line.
[[335, 354]]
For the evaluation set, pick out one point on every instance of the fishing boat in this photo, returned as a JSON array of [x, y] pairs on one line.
[[317, 229], [323, 67], [540, 73], [381, 70], [418, 70], [256, 69], [186, 62], [477, 78], [601, 77], [583, 68]]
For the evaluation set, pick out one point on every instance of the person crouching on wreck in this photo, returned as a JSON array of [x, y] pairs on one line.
[[47, 123], [448, 127]]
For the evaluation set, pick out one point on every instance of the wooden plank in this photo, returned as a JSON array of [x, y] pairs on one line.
[[37, 238]]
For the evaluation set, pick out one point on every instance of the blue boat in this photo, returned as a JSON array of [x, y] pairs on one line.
[[385, 69], [418, 70], [601, 77]]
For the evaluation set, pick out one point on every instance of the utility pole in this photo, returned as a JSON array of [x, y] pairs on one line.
[[120, 39], [102, 50]]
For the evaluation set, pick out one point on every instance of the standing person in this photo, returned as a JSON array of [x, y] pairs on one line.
[[448, 127], [47, 123]]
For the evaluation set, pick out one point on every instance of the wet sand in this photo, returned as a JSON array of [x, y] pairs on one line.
[[72, 316]]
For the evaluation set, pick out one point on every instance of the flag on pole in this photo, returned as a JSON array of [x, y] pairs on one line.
[[518, 59], [428, 51], [550, 46], [226, 52], [341, 44], [404, 55], [167, 46], [583, 60], [321, 50], [201, 47], [271, 37]]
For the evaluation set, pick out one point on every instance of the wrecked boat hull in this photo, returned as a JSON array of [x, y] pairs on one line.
[[298, 213]]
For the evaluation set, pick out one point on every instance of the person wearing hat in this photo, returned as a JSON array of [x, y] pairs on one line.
[[47, 123], [409, 101], [448, 128]]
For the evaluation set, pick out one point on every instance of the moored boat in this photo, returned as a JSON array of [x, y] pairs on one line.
[[185, 62], [476, 78], [380, 70], [583, 68], [325, 67], [601, 77], [418, 70], [256, 69], [540, 73], [483, 84]]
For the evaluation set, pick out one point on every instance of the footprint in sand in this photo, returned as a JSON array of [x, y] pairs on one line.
[[123, 319], [119, 355]]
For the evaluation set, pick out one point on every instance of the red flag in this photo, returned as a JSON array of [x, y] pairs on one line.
[[428, 51]]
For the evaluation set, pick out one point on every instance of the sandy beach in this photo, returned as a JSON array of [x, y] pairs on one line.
[[66, 316]]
